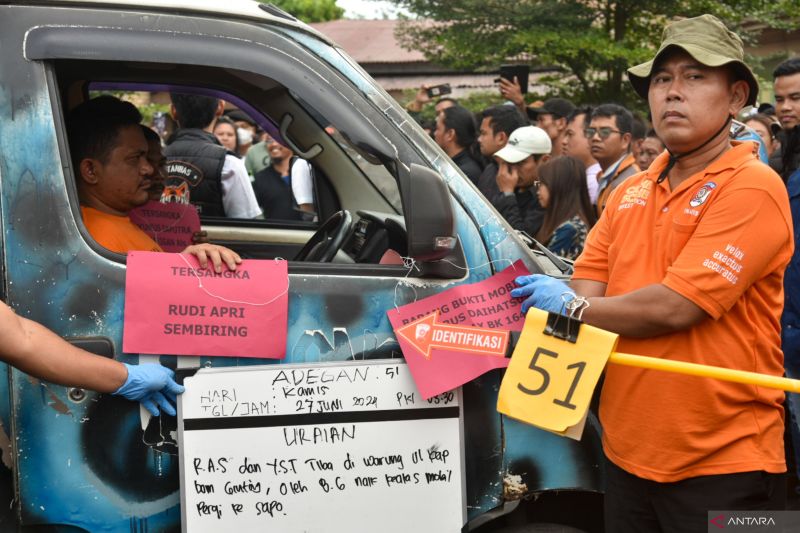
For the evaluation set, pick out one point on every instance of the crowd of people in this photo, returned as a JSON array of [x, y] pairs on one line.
[[607, 142], [220, 160]]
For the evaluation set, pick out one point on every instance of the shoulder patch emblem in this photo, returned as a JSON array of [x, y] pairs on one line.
[[702, 194], [184, 171]]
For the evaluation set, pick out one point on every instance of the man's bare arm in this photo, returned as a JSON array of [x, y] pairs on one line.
[[646, 312], [37, 351], [587, 287]]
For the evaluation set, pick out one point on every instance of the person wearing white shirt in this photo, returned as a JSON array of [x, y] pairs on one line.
[[285, 189]]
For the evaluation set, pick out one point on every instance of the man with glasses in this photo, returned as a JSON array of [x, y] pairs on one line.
[[518, 162], [609, 133]]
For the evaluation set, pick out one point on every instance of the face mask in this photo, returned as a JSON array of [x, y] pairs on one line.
[[245, 136]]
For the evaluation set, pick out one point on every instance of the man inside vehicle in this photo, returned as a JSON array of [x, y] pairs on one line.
[[109, 153], [687, 264]]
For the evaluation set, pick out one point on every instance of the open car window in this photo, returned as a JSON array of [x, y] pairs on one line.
[[338, 174], [355, 153]]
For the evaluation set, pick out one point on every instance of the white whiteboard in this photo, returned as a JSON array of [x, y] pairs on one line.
[[344, 447]]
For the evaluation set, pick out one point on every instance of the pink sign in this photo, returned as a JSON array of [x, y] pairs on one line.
[[170, 225], [486, 304], [172, 306]]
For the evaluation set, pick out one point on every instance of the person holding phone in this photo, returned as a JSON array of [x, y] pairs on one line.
[[527, 148], [426, 94], [513, 82]]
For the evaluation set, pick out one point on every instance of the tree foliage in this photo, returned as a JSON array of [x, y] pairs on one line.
[[309, 10], [591, 42]]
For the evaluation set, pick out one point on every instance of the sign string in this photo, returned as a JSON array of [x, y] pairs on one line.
[[218, 297], [411, 264]]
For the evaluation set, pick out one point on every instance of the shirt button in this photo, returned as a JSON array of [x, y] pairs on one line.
[[665, 210]]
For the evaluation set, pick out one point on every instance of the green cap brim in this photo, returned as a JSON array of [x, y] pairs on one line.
[[639, 76]]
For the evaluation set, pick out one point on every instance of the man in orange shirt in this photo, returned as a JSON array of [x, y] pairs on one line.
[[686, 263], [109, 153]]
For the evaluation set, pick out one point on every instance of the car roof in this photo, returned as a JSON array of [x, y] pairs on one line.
[[237, 8]]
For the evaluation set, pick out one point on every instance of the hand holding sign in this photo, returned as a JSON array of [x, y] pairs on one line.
[[173, 306], [465, 313], [549, 382]]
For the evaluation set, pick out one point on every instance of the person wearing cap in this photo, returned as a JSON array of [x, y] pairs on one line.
[[610, 137], [518, 172], [766, 128], [552, 117], [686, 263], [497, 124]]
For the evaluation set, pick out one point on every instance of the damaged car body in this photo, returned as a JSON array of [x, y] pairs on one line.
[[88, 462]]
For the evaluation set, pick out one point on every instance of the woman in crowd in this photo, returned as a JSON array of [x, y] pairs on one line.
[[568, 214], [225, 132]]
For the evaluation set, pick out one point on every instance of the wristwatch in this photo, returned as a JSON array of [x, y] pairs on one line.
[[576, 306]]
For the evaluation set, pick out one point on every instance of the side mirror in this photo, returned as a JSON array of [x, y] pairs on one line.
[[430, 223]]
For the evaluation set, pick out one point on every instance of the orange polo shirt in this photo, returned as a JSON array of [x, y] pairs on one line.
[[117, 233], [721, 239]]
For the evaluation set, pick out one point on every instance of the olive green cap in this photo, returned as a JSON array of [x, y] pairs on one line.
[[709, 42]]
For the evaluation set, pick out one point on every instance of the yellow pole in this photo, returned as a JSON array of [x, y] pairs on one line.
[[693, 369]]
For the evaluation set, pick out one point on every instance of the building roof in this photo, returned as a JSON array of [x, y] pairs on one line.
[[369, 41]]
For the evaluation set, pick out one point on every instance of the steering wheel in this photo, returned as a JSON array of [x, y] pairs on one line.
[[328, 239]]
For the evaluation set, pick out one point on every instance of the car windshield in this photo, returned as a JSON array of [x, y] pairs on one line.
[[343, 63]]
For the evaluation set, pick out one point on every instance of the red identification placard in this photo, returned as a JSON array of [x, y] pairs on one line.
[[172, 306], [459, 334], [170, 225]]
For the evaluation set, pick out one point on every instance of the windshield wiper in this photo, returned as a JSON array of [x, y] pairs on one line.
[[565, 268]]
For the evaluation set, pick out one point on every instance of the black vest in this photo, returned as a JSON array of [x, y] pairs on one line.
[[274, 195], [194, 171]]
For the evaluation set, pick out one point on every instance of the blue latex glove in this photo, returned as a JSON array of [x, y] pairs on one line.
[[153, 386], [543, 292]]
